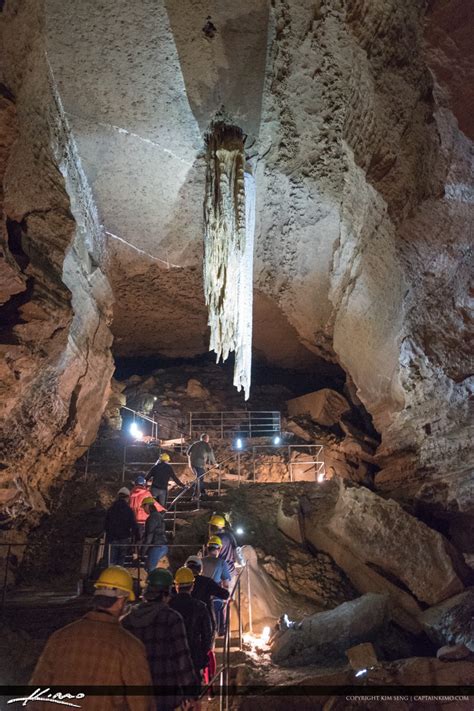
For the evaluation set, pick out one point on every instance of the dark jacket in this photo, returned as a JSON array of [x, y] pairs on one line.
[[201, 454], [155, 530], [163, 633], [229, 549], [160, 474], [198, 627], [120, 521], [205, 589]]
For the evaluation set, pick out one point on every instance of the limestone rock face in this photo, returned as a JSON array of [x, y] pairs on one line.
[[324, 406], [116, 401], [196, 390], [452, 621], [55, 341], [364, 194], [381, 535], [324, 637], [361, 137]]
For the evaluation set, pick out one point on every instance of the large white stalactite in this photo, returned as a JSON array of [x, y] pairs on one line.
[[229, 219]]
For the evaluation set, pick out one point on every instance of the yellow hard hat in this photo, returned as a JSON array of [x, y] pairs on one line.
[[218, 521], [165, 457], [184, 576], [116, 578], [148, 500], [214, 541]]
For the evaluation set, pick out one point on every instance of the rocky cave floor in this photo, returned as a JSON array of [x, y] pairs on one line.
[[294, 566]]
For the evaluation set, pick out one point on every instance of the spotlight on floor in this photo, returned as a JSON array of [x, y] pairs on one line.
[[238, 443], [239, 531], [265, 636], [277, 440], [321, 477]]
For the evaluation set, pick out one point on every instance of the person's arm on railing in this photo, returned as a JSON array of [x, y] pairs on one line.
[[175, 478], [217, 590]]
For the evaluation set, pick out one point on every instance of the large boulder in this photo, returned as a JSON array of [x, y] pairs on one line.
[[452, 621], [324, 637], [196, 390], [380, 547], [382, 535], [324, 406]]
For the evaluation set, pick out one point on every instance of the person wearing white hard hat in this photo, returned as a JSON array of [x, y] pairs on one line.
[[120, 528]]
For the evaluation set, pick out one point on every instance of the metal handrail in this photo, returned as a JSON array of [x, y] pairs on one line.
[[139, 414], [253, 422]]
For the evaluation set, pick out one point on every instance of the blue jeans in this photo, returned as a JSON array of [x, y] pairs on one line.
[[118, 553], [220, 612], [199, 487], [155, 554], [160, 495]]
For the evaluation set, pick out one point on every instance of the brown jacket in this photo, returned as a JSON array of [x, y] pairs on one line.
[[94, 651]]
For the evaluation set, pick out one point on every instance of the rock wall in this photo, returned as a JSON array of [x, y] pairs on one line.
[[55, 338], [365, 222]]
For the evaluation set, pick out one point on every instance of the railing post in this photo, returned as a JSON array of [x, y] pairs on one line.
[[222, 425], [250, 424], [238, 465], [240, 614], [249, 598], [290, 463]]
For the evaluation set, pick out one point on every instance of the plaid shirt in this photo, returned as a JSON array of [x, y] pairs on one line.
[[163, 633], [94, 651]]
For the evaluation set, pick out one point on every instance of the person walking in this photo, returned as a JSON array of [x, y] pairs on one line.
[[137, 496], [228, 550], [120, 528], [200, 454], [155, 534], [162, 631], [217, 569], [196, 619], [159, 475], [97, 651], [205, 588], [209, 592]]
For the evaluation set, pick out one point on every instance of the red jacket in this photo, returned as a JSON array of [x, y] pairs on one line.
[[137, 494]]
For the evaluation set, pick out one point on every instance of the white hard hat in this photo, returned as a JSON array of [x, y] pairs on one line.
[[124, 491], [194, 560]]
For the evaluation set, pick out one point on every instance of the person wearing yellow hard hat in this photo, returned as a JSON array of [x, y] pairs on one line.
[[160, 475], [216, 568], [228, 550], [97, 651], [196, 618], [154, 537], [137, 495]]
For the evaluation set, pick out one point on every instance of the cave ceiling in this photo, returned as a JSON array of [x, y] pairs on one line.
[[140, 84]]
